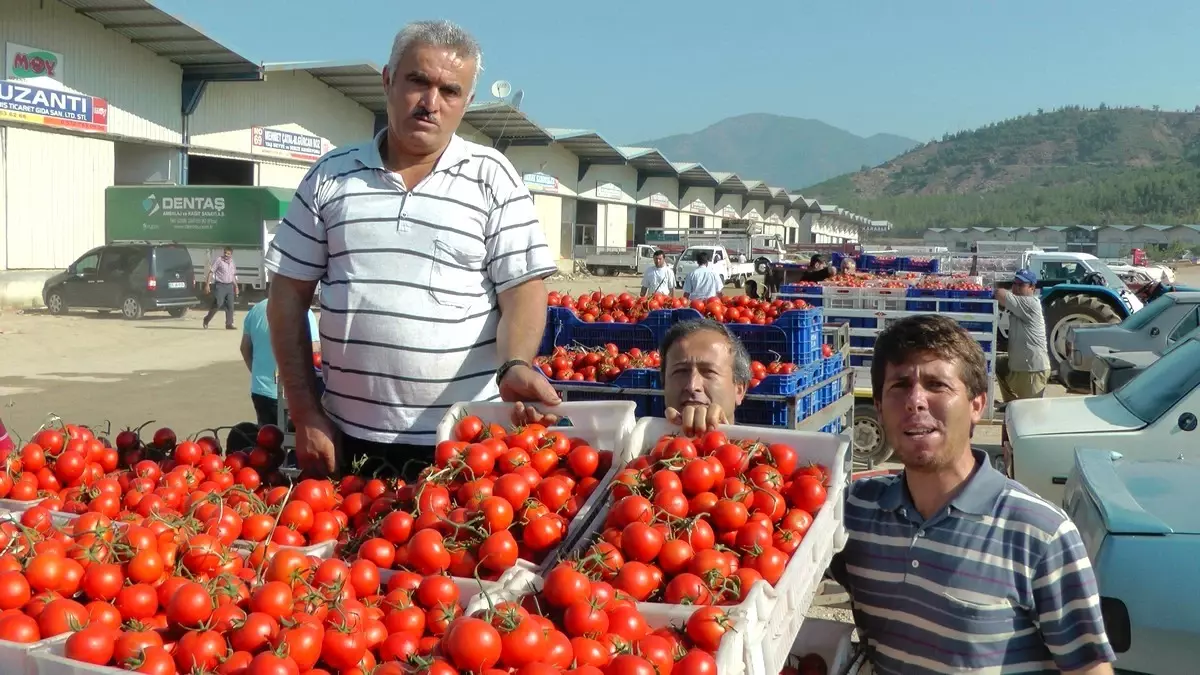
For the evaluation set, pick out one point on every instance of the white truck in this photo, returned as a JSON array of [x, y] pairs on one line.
[[611, 261], [742, 243], [729, 271]]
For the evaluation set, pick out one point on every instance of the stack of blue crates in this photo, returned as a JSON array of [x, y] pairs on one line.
[[794, 337], [925, 265]]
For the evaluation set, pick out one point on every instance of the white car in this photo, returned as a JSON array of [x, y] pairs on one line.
[[1153, 416]]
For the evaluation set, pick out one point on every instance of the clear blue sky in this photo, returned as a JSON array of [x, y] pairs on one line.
[[650, 68]]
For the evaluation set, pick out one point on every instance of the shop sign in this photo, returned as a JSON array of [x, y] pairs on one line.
[[728, 211], [697, 206], [609, 191], [540, 181], [20, 102], [287, 144], [26, 63], [774, 219], [659, 201]]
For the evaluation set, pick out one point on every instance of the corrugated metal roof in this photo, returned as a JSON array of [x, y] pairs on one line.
[[359, 81], [162, 33], [692, 173], [1158, 228], [1056, 228], [1123, 228], [587, 144], [758, 189], [649, 159], [937, 229], [501, 121]]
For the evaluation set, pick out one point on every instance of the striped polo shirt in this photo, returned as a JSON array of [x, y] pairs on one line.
[[409, 280], [998, 581]]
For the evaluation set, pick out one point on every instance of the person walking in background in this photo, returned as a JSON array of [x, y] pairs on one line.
[[817, 271], [431, 260], [660, 278], [702, 283], [1025, 370], [260, 360], [221, 282]]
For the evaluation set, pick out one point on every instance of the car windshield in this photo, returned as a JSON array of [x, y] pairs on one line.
[[1142, 318], [1110, 277], [1158, 388], [689, 255]]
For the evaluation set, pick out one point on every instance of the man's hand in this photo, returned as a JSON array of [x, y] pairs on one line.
[[523, 383], [697, 419], [207, 288], [526, 414], [316, 448]]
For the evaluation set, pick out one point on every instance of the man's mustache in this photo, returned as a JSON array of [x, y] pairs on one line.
[[422, 113]]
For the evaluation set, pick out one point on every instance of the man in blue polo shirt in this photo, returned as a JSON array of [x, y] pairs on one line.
[[951, 566]]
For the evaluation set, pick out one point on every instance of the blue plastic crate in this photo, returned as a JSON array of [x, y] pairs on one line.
[[795, 336], [925, 265], [876, 263], [862, 342], [811, 294], [633, 378], [976, 326], [784, 385], [854, 321], [645, 405], [860, 361], [831, 366], [568, 329], [762, 413]]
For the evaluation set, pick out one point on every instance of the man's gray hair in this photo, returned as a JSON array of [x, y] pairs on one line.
[[741, 357], [436, 34]]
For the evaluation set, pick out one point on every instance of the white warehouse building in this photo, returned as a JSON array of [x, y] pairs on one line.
[[99, 93]]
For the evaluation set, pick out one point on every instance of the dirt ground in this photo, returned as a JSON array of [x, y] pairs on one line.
[[93, 368]]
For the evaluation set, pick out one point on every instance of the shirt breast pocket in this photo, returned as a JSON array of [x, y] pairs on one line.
[[977, 615], [454, 275]]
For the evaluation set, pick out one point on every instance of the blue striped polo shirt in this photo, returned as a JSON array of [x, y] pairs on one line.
[[998, 581]]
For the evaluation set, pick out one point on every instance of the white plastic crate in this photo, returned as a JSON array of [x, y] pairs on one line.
[[729, 657], [17, 658], [606, 425], [18, 506], [772, 615], [831, 640], [883, 299], [321, 551], [837, 297]]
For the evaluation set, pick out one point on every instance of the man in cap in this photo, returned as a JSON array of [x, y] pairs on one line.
[[1025, 370]]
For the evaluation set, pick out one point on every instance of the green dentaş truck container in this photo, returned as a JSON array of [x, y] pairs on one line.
[[203, 218]]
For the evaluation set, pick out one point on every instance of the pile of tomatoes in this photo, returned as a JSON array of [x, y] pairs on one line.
[[613, 308], [585, 627], [492, 497], [744, 309], [599, 364], [699, 521]]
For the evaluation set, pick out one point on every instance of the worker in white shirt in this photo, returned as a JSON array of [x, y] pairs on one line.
[[703, 282], [660, 278]]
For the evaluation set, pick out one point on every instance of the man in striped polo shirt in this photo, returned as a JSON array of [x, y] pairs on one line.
[[951, 566], [431, 261]]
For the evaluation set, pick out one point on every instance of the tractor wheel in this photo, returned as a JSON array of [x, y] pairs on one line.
[[1069, 310]]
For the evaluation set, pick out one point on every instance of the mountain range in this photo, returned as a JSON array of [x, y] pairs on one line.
[[782, 151], [1073, 165]]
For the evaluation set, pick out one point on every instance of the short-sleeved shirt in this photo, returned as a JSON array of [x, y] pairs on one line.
[[702, 283], [997, 581], [262, 362], [1027, 350], [6, 442], [223, 271], [409, 281], [659, 280]]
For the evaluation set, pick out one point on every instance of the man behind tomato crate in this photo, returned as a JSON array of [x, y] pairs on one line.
[[705, 371], [951, 566]]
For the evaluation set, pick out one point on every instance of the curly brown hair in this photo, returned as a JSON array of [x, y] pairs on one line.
[[929, 334]]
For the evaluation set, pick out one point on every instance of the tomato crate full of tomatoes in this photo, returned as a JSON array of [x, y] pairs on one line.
[[550, 478], [564, 327], [603, 366], [742, 517]]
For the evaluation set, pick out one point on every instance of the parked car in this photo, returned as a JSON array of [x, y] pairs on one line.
[[1157, 326], [1153, 416], [130, 278], [1141, 528]]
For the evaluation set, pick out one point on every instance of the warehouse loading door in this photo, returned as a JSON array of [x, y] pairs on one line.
[[204, 170], [647, 217]]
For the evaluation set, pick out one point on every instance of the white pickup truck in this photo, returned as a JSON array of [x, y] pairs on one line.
[[730, 271]]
